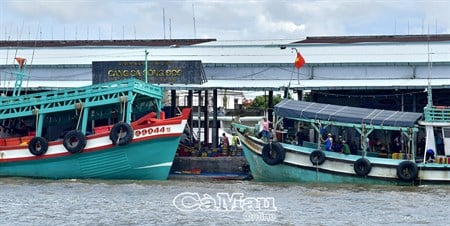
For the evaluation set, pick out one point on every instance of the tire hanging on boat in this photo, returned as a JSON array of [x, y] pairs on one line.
[[74, 141], [317, 157], [362, 167], [407, 171], [121, 133], [273, 153], [38, 146]]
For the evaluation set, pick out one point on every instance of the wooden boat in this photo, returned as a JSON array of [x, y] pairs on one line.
[[282, 160], [112, 130]]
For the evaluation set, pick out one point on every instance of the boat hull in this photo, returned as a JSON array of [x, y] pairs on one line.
[[149, 160], [337, 167], [146, 157]]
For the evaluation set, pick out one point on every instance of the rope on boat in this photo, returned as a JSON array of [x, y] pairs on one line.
[[124, 109], [418, 173], [123, 100], [317, 171], [118, 136], [37, 117], [123, 105], [81, 114]]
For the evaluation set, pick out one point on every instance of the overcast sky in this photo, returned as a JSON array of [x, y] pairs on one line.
[[219, 19]]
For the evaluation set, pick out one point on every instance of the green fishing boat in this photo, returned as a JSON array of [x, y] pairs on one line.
[[278, 159], [114, 130]]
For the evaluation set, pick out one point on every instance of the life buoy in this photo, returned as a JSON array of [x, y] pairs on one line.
[[121, 133], [273, 153], [38, 146], [407, 171], [362, 167], [74, 141], [317, 157]]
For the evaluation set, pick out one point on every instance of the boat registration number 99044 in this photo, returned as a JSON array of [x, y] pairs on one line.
[[150, 131]]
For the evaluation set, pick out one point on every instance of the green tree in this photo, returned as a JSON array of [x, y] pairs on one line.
[[262, 102]]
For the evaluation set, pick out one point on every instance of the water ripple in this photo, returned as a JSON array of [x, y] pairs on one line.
[[96, 202]]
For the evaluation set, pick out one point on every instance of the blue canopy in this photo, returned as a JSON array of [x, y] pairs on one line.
[[302, 110]]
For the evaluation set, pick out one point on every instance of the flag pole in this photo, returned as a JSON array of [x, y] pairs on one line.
[[298, 69]]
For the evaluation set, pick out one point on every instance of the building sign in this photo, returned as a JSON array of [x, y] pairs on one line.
[[159, 72]]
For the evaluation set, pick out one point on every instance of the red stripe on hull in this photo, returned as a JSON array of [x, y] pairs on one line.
[[88, 150]]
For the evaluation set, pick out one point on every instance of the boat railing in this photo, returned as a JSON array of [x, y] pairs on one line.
[[248, 130], [104, 88], [437, 114]]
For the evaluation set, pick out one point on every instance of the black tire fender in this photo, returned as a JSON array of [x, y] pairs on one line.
[[317, 157], [273, 153], [407, 171], [121, 133], [74, 141], [362, 167], [38, 146]]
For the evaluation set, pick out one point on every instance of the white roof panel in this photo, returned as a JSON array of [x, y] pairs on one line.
[[316, 84], [245, 52], [259, 85]]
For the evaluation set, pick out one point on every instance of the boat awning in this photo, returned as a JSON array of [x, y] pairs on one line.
[[306, 111]]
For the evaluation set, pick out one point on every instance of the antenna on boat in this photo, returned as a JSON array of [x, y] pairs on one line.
[[146, 67], [429, 92]]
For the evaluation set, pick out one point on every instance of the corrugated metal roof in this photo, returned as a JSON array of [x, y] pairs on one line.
[[255, 52], [302, 110], [396, 59], [66, 43], [376, 38]]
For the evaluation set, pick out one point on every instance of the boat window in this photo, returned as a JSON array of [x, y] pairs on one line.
[[446, 132]]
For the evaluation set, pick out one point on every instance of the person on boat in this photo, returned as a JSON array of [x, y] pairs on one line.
[[377, 145], [429, 156], [272, 133], [383, 148], [397, 144], [265, 129], [345, 148], [329, 143], [421, 147], [225, 144], [337, 145], [224, 140], [234, 143], [353, 148], [300, 137], [440, 144]]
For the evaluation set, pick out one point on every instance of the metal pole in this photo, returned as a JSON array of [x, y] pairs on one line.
[[298, 70], [146, 67]]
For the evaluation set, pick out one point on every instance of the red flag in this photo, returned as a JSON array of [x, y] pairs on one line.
[[299, 61], [21, 61]]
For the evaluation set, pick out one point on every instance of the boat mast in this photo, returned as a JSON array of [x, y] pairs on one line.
[[19, 76], [146, 67], [158, 102]]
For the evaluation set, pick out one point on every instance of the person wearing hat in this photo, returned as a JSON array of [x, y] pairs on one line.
[[429, 155], [329, 142]]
